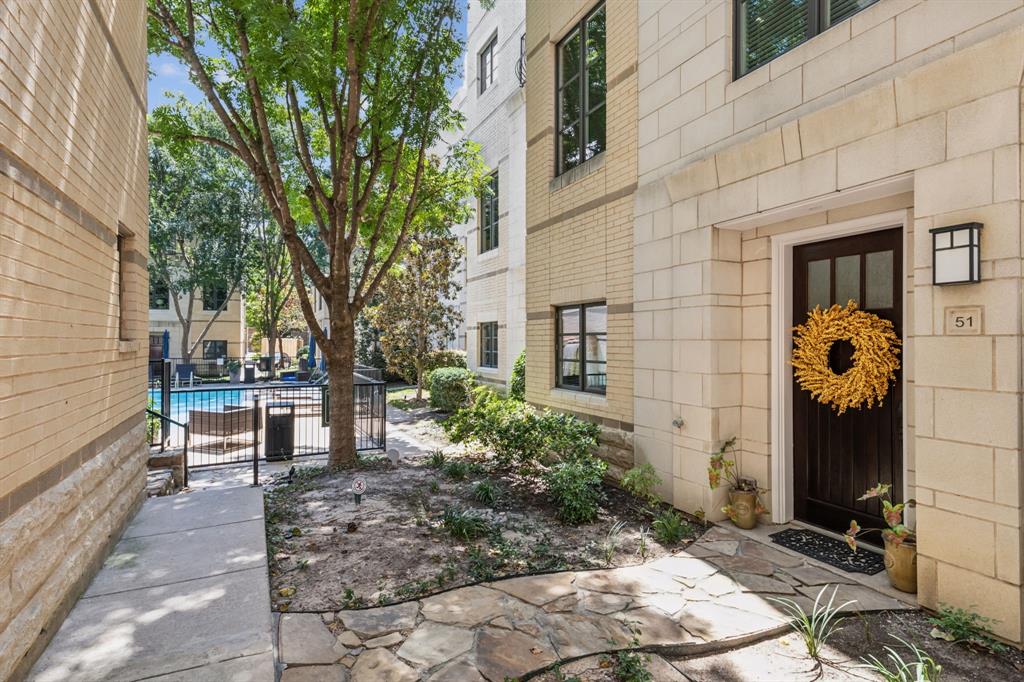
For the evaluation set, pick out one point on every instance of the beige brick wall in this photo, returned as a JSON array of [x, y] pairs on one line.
[[579, 236], [229, 326], [72, 387], [941, 110]]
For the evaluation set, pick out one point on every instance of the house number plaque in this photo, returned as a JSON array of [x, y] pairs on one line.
[[965, 321]]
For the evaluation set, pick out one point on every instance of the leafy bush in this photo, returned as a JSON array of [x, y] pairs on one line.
[[518, 433], [517, 382], [575, 487], [152, 423], [437, 359], [464, 523], [641, 481], [450, 388], [456, 469], [670, 527]]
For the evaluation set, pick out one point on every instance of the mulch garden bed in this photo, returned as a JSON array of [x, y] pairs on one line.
[[328, 553]]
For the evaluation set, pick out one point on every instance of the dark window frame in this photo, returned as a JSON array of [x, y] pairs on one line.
[[817, 22], [160, 286], [485, 76], [207, 345], [489, 238], [487, 334], [582, 82], [216, 293], [584, 385]]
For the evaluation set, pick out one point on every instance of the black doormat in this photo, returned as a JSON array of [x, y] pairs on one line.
[[833, 552]]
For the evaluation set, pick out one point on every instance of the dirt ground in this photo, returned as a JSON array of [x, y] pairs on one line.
[[784, 659], [329, 553]]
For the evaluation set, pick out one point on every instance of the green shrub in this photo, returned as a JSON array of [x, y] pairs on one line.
[[152, 423], [963, 625], [464, 524], [641, 481], [450, 388], [456, 469], [575, 487], [517, 382], [517, 433], [670, 527], [437, 359], [436, 459]]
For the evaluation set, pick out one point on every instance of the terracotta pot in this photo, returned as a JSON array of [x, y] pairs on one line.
[[744, 505], [901, 565]]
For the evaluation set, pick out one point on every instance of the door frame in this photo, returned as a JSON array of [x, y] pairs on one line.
[[781, 404]]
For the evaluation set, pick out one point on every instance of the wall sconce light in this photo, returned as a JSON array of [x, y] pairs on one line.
[[956, 254]]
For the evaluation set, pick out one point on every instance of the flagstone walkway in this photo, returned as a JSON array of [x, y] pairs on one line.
[[714, 596]]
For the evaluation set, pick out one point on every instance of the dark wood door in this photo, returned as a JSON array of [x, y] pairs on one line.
[[837, 457]]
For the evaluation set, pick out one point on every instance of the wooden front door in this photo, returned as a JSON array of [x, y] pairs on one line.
[[837, 457]]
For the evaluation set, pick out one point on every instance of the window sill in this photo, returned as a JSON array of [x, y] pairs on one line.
[[579, 396], [578, 173], [488, 255], [129, 346]]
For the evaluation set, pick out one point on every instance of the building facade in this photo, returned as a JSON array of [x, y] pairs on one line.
[[225, 338], [774, 180], [581, 161], [73, 282], [758, 160], [493, 295]]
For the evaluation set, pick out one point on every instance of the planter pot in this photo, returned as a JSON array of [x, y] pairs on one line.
[[744, 505], [234, 376], [901, 565]]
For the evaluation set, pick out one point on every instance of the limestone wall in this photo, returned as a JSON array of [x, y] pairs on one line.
[[73, 300]]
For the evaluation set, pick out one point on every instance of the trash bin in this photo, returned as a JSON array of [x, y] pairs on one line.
[[250, 373], [280, 443]]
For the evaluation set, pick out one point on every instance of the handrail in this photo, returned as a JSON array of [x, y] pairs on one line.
[[184, 448]]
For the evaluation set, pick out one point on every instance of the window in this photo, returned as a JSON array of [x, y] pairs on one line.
[[489, 344], [489, 215], [581, 347], [214, 297], [486, 61], [768, 28], [580, 120], [215, 349], [122, 287], [158, 297]]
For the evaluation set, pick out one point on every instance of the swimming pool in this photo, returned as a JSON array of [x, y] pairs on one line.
[[212, 400]]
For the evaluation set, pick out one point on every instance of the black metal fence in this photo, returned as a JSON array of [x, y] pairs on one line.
[[232, 423]]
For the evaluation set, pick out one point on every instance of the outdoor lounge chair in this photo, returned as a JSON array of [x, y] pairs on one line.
[[227, 425]]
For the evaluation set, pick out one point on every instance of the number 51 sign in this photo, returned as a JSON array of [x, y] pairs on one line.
[[963, 321]]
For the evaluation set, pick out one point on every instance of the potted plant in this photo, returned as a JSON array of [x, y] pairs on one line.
[[235, 371], [900, 541], [744, 496], [303, 356]]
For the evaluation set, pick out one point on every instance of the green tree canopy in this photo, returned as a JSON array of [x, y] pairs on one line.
[[361, 86]]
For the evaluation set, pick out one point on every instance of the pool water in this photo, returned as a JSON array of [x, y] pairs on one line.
[[183, 401]]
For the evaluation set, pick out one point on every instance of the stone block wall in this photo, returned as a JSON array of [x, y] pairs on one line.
[[579, 226], [73, 301], [908, 111]]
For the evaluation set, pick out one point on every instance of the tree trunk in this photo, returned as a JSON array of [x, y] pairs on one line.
[[419, 381], [270, 351], [340, 365]]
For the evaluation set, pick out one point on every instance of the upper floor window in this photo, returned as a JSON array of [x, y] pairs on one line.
[[581, 347], [489, 215], [769, 28], [158, 295], [489, 344], [582, 86], [214, 297], [486, 59]]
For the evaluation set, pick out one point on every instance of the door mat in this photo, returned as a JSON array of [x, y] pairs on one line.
[[833, 552]]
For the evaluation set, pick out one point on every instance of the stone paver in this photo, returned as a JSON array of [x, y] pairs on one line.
[[316, 673], [715, 595], [305, 640]]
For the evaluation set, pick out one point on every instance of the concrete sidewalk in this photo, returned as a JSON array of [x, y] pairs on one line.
[[184, 596]]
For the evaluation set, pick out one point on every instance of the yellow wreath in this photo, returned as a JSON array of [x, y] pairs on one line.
[[875, 356]]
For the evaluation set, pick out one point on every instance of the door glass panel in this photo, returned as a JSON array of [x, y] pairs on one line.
[[818, 284], [847, 279], [879, 273], [570, 320]]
